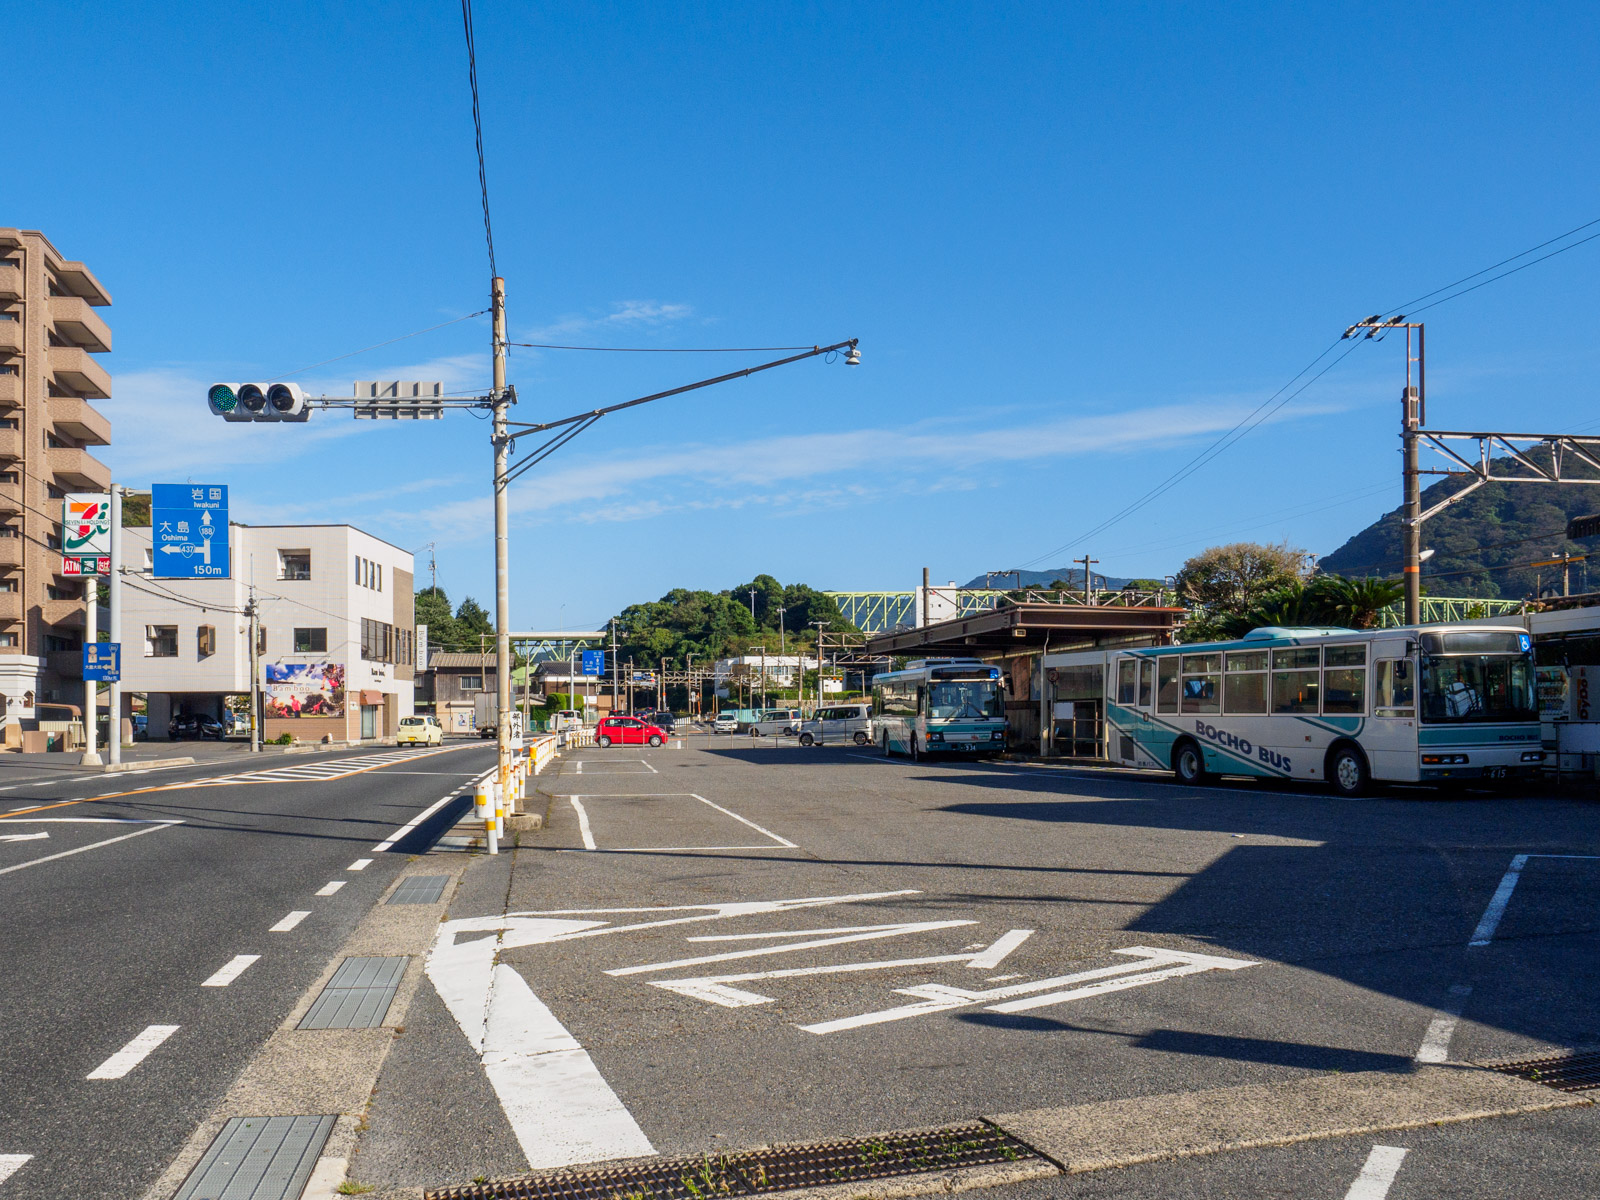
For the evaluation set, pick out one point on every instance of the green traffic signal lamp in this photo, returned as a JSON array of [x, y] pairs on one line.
[[222, 398]]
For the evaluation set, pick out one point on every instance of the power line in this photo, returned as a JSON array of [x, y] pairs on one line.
[[477, 126], [377, 345], [662, 349], [1406, 307]]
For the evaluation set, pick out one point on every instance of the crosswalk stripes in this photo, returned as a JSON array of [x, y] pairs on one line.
[[318, 772]]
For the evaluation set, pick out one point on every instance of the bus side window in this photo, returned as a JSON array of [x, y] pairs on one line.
[[1127, 676], [922, 702], [1147, 679], [1167, 683], [1396, 696]]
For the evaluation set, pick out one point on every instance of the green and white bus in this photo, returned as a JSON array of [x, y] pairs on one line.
[[940, 706], [1433, 703]]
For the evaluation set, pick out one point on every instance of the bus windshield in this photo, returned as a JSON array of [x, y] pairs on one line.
[[1477, 687], [969, 699]]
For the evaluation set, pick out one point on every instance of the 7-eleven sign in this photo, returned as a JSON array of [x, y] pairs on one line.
[[85, 532]]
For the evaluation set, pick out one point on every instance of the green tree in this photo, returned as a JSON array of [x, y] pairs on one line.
[[432, 608], [1227, 581]]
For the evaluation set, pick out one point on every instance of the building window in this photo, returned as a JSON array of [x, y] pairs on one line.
[[59, 591], [8, 639], [8, 531], [52, 541], [206, 640], [310, 641], [55, 644], [161, 641], [377, 640], [52, 442], [294, 564], [378, 575], [261, 639], [10, 477], [358, 570], [10, 423], [472, 683], [149, 558], [8, 584]]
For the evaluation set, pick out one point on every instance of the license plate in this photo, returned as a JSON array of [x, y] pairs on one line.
[[1494, 772], [965, 746]]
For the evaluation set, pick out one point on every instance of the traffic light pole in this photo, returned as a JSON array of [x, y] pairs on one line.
[[502, 542]]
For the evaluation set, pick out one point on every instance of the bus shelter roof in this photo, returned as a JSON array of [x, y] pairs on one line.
[[1028, 628]]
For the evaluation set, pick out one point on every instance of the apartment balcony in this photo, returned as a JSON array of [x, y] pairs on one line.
[[76, 321], [10, 553], [10, 338], [76, 371], [10, 281], [74, 470], [62, 614], [11, 389], [10, 606], [79, 420], [10, 443], [10, 504]]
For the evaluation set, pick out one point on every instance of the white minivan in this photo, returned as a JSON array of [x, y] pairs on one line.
[[837, 724], [776, 722]]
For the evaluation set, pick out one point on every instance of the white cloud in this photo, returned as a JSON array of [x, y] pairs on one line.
[[623, 314]]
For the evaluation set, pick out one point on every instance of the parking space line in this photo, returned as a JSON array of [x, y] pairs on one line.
[[583, 824], [1490, 921], [785, 842], [134, 1053], [1436, 1041], [92, 846], [1377, 1174], [235, 967]]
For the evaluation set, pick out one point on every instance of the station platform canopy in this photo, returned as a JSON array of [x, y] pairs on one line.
[[1027, 628]]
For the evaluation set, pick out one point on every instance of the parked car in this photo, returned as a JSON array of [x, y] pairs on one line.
[[776, 722], [628, 731], [141, 727], [662, 718], [564, 719], [419, 731], [194, 725], [726, 722], [838, 723]]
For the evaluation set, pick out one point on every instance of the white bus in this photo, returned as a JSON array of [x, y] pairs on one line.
[[1419, 704], [940, 706]]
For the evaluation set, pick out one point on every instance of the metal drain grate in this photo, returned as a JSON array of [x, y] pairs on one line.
[[1564, 1072], [357, 996], [754, 1172], [420, 889], [259, 1158]]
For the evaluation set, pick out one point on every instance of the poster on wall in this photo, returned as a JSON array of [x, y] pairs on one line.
[[305, 690]]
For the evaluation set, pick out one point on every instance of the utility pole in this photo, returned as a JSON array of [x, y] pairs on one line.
[[255, 671], [502, 538], [753, 606], [661, 685], [1412, 417], [114, 689], [821, 625], [1088, 578], [91, 688], [613, 668]]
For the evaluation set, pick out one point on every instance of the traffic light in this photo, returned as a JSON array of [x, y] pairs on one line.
[[258, 401]]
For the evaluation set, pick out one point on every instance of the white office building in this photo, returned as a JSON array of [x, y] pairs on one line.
[[336, 633]]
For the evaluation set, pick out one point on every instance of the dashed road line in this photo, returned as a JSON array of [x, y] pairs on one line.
[[236, 967], [10, 1164], [134, 1053], [329, 889], [360, 864], [289, 922], [1377, 1174]]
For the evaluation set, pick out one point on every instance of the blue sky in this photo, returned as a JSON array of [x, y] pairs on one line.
[[1077, 242]]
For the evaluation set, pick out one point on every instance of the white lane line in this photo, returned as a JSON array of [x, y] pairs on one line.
[[1377, 1175], [557, 1103], [235, 968], [746, 821], [1436, 1041], [579, 765], [134, 1053], [876, 934], [9, 1164], [24, 837], [422, 816], [995, 954], [653, 771], [91, 846], [1484, 933], [360, 864], [329, 889], [583, 824], [289, 922]]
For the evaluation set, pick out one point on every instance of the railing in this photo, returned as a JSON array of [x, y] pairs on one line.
[[882, 612], [1438, 610]]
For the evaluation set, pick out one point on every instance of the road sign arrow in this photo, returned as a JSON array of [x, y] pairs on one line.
[[23, 837]]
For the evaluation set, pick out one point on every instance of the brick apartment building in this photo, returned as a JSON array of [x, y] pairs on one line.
[[49, 334]]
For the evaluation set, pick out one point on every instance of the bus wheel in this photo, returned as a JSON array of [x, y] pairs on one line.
[[1188, 763], [1347, 771], [807, 740], [861, 738]]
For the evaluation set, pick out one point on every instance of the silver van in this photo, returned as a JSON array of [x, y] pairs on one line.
[[837, 724]]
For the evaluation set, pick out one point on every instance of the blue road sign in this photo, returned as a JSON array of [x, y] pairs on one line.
[[189, 529], [102, 662], [594, 662]]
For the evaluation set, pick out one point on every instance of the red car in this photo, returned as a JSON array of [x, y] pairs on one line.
[[628, 731]]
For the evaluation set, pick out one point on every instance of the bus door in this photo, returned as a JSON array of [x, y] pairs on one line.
[[1135, 695], [1390, 737]]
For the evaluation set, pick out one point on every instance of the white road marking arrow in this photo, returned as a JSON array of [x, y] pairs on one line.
[[10, 1164], [714, 989], [23, 837], [1153, 965]]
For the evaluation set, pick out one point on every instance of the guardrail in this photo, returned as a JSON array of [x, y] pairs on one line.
[[543, 750]]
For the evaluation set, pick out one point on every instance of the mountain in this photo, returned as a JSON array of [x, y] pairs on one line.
[[1034, 579], [1485, 543]]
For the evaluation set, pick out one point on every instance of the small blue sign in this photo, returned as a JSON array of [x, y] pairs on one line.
[[189, 530], [594, 662], [1524, 642], [102, 662]]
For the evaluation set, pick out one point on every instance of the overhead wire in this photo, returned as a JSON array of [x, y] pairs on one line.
[[477, 126], [663, 349]]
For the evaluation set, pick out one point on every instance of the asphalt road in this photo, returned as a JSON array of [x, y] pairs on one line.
[[144, 887], [758, 943]]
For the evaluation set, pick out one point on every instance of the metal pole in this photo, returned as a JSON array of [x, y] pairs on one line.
[[925, 606], [502, 541], [1411, 402], [91, 689], [613, 668], [255, 673], [114, 692]]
